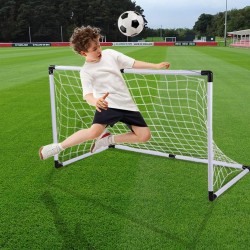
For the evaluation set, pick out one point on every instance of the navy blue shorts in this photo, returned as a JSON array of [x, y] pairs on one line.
[[111, 116]]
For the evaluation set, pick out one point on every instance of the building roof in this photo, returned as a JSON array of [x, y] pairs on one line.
[[240, 32]]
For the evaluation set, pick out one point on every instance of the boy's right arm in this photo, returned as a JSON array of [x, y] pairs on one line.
[[99, 103], [146, 65]]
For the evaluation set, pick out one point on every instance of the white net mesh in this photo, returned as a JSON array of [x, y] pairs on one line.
[[174, 107]]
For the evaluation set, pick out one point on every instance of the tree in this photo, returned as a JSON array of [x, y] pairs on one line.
[[239, 19], [202, 25], [7, 19]]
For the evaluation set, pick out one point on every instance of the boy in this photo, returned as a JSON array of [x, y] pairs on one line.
[[104, 87]]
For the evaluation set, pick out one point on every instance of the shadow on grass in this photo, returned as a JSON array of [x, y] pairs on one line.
[[77, 239], [71, 240], [202, 227], [151, 227]]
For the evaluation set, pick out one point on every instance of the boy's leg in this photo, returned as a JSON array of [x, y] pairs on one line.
[[138, 135], [83, 135], [79, 137]]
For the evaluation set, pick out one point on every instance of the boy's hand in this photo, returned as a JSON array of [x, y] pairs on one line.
[[161, 65], [101, 103]]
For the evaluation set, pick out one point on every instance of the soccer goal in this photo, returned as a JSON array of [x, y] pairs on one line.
[[177, 106], [170, 39]]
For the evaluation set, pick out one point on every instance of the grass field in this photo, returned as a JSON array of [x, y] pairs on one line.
[[118, 200]]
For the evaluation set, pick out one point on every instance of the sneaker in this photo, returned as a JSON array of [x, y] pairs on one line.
[[49, 150], [104, 140]]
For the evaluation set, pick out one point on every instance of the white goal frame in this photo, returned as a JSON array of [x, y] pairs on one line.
[[170, 39], [210, 161]]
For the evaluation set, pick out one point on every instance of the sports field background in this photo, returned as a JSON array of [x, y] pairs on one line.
[[118, 200]]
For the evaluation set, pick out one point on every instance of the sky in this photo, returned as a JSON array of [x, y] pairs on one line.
[[172, 14]]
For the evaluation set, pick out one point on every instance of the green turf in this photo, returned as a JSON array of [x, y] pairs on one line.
[[118, 200]]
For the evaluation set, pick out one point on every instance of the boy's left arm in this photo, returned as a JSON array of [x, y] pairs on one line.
[[146, 65]]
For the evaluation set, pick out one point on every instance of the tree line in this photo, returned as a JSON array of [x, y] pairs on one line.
[[215, 24], [46, 20]]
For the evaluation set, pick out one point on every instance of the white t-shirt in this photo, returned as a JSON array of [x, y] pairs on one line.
[[105, 76]]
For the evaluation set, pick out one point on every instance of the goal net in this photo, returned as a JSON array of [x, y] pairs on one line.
[[177, 106]]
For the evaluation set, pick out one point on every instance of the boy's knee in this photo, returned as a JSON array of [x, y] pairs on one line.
[[93, 134], [146, 136]]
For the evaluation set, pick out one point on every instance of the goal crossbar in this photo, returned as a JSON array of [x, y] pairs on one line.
[[142, 71]]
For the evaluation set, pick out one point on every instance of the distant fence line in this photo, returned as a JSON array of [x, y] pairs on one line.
[[52, 44]]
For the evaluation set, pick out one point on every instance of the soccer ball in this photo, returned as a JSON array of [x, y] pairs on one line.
[[130, 23]]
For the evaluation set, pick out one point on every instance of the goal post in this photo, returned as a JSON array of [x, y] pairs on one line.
[[177, 106]]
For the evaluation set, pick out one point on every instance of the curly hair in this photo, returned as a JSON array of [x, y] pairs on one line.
[[82, 36]]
